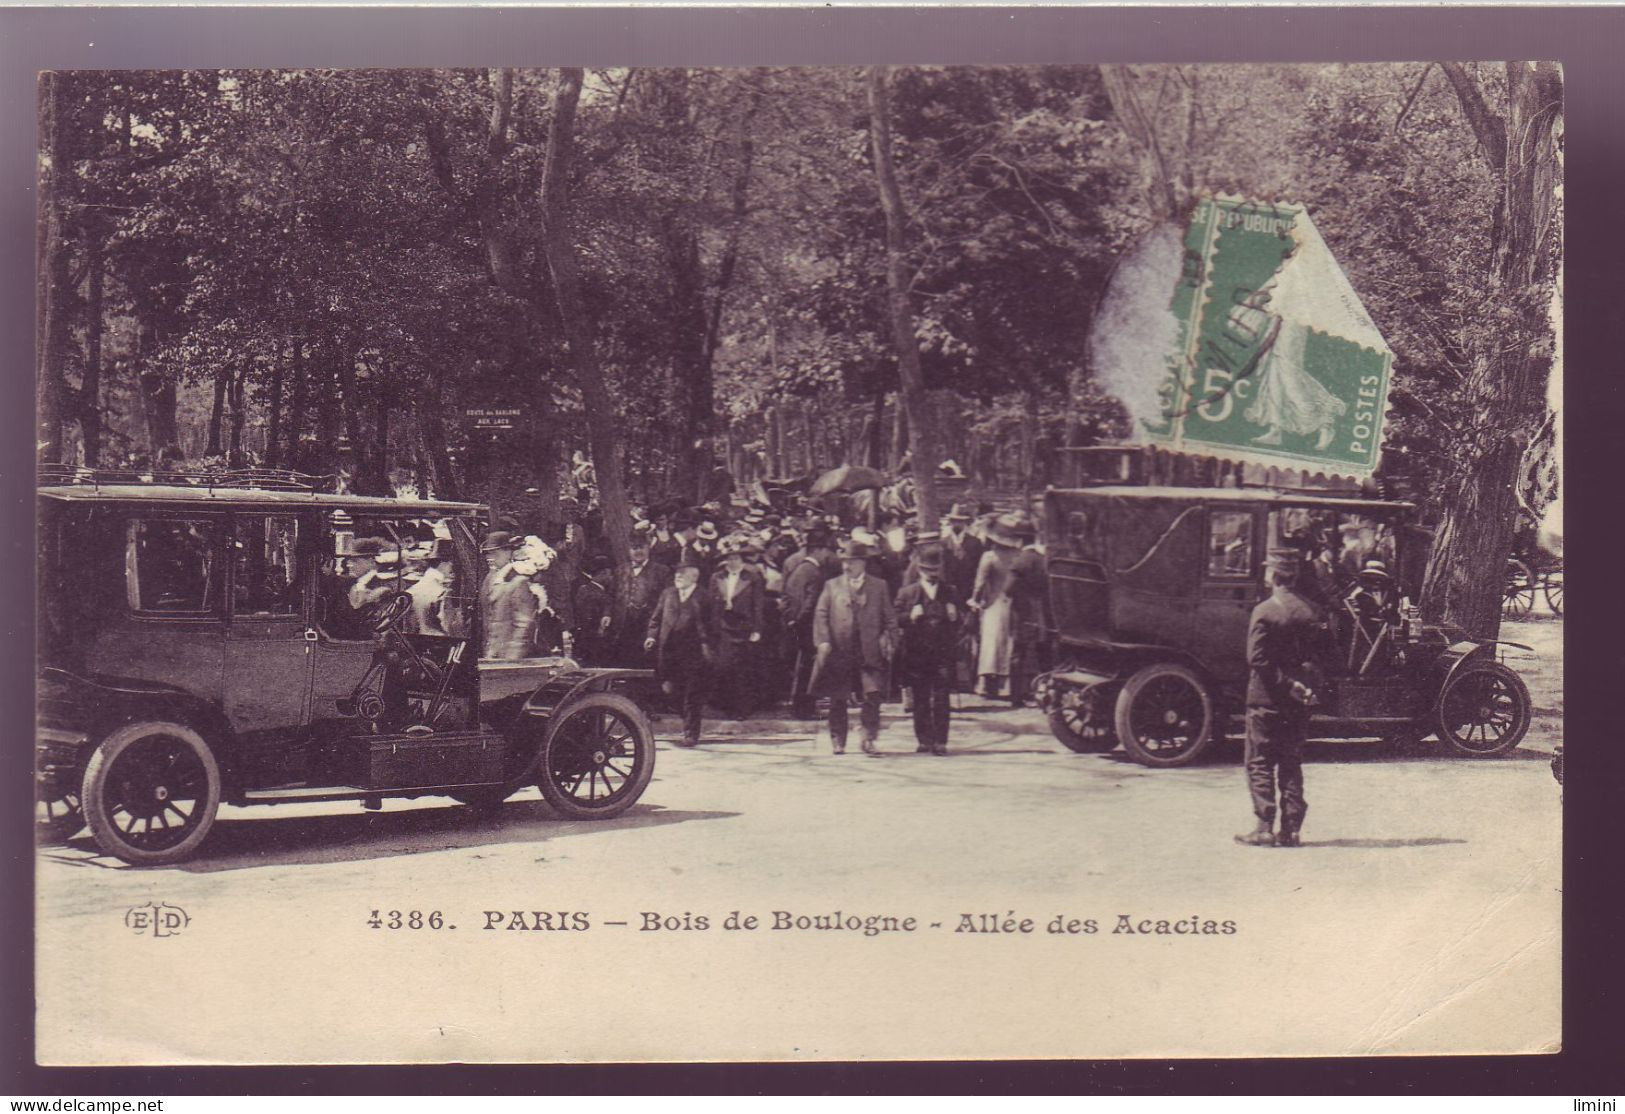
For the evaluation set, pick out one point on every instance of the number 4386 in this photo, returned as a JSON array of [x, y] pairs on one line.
[[411, 918]]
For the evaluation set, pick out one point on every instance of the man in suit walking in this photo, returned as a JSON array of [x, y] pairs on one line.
[[928, 611], [640, 592], [961, 551], [855, 630], [1284, 644], [682, 634]]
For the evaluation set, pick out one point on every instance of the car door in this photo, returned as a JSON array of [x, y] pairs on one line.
[[1230, 589], [268, 655]]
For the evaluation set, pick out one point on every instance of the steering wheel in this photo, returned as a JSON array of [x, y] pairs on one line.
[[393, 610]]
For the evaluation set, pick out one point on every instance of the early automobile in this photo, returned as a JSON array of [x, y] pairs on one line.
[[1151, 589], [247, 639]]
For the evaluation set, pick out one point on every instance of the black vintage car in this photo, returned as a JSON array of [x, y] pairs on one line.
[[199, 645], [1151, 589]]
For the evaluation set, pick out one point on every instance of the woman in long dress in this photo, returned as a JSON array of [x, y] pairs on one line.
[[1289, 398], [992, 599]]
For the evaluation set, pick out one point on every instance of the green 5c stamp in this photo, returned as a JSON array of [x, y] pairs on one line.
[[1277, 361]]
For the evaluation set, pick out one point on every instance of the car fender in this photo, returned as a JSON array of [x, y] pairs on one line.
[[530, 725], [1455, 657], [75, 712]]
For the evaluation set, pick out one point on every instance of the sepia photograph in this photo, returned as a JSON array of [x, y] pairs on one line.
[[798, 563]]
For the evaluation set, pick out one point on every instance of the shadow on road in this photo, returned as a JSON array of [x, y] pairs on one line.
[[250, 843], [1422, 841]]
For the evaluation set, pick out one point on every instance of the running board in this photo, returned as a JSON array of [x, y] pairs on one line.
[[317, 793]]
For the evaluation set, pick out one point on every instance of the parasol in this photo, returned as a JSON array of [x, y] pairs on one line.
[[849, 477]]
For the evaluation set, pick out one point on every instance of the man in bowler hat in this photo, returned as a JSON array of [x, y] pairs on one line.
[[855, 630], [928, 611], [1284, 644]]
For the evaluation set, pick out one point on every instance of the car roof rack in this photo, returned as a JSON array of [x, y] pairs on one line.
[[208, 479]]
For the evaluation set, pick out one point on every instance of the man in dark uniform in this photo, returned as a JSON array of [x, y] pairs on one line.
[[1283, 647], [682, 634], [928, 611]]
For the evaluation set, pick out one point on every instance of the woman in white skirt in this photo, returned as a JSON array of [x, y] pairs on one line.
[[991, 599]]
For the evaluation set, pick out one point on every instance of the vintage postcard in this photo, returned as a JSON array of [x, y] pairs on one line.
[[799, 563]]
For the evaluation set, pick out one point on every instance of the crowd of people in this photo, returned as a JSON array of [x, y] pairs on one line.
[[741, 609]]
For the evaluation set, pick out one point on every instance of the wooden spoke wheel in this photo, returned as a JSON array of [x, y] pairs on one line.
[[1484, 710], [1518, 598], [1164, 715], [1554, 592], [58, 818], [150, 792], [597, 758], [1083, 722]]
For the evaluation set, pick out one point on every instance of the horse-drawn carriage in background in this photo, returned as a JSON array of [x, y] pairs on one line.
[[197, 648], [1151, 590]]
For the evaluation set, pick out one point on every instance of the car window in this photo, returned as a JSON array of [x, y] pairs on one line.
[[171, 566], [264, 562], [1230, 543]]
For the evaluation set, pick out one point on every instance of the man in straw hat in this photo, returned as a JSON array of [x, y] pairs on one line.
[[855, 630], [1284, 640]]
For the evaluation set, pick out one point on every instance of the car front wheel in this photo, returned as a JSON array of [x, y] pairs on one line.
[[1484, 710], [150, 792], [597, 758]]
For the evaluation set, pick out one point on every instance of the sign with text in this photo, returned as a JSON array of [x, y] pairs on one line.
[[493, 419]]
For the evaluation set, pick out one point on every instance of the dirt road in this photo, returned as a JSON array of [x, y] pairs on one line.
[[1421, 914]]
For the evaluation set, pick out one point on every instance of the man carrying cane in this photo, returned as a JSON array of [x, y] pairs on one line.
[[682, 634], [855, 630]]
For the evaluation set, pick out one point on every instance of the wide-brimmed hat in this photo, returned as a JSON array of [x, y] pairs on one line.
[[368, 547], [708, 531], [929, 559], [642, 533], [495, 540], [1376, 567], [961, 512], [854, 550], [1005, 530]]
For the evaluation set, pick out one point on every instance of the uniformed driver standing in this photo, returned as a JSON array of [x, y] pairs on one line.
[[1283, 645]]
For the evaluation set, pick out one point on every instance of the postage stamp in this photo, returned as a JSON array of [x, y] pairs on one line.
[[1276, 361]]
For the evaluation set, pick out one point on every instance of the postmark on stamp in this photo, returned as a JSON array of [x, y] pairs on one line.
[[1276, 360]]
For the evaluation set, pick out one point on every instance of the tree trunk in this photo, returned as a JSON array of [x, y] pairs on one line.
[[90, 386], [273, 427], [1506, 387], [158, 397], [52, 268], [239, 418], [922, 430], [559, 248], [217, 412]]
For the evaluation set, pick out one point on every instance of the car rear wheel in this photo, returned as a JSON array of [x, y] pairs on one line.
[[58, 818], [1484, 710], [597, 757], [1164, 715], [150, 792], [1083, 722]]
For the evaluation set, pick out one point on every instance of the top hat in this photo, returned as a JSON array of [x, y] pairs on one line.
[[598, 562], [929, 559], [820, 538]]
